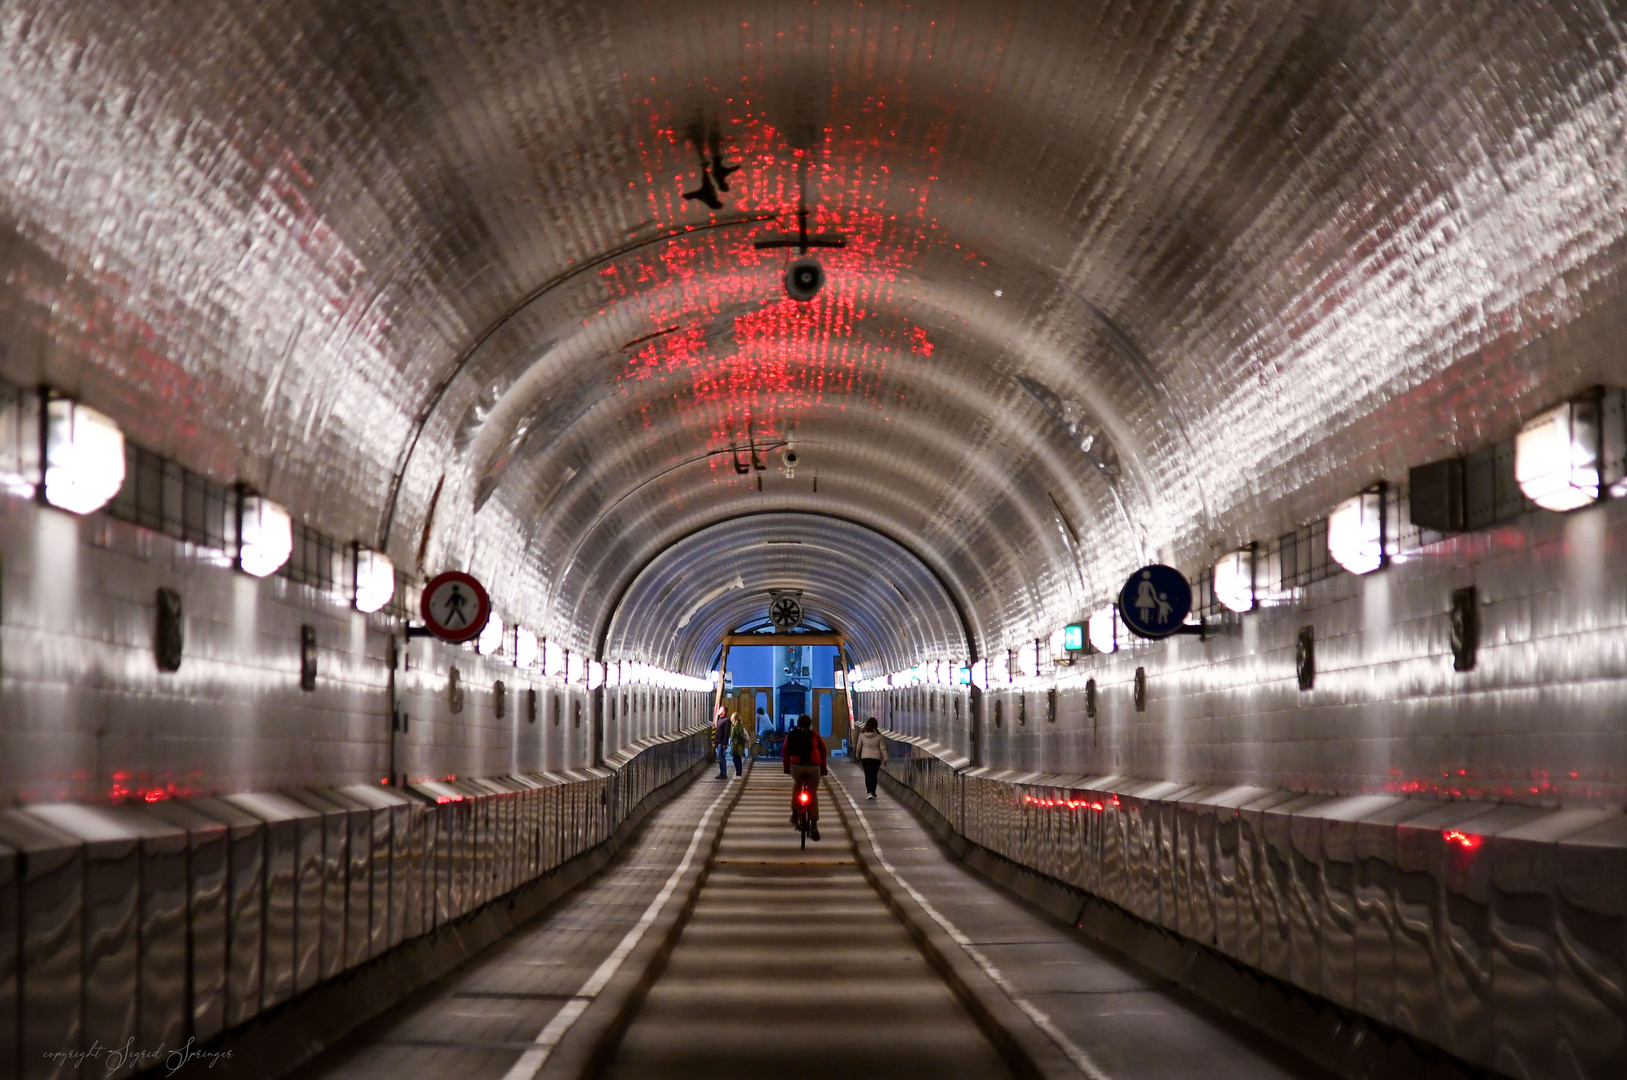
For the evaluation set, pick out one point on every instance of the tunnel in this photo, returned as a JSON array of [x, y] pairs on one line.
[[1172, 452]]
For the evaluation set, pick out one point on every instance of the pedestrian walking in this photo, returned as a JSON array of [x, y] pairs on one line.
[[739, 742], [871, 750], [720, 741]]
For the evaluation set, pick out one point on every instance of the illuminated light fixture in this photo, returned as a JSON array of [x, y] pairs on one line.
[[596, 674], [1055, 643], [1356, 532], [1000, 670], [1073, 637], [1558, 456], [1103, 632], [490, 641], [526, 648], [553, 659], [375, 580], [84, 457], [265, 536], [1028, 658], [573, 667], [1234, 580]]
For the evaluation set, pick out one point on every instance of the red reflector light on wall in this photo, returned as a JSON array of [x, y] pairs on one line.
[[1467, 841]]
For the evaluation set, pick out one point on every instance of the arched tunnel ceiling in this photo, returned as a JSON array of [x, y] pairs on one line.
[[1122, 279], [892, 608]]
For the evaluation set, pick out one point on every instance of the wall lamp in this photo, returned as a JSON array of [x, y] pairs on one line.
[[84, 457], [265, 536], [1563, 458], [526, 647], [375, 579], [1104, 631], [1356, 532], [490, 641], [1234, 580]]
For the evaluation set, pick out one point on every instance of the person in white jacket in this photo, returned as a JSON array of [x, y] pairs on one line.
[[871, 750]]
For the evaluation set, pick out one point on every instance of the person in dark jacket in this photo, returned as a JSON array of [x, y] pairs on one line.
[[871, 750], [806, 760], [720, 742], [739, 742]]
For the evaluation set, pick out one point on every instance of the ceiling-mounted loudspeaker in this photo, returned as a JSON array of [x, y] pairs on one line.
[[803, 279]]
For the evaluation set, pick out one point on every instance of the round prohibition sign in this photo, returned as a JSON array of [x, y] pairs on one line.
[[455, 606]]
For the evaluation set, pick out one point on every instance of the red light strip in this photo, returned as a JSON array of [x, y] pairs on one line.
[[1467, 841], [1071, 804]]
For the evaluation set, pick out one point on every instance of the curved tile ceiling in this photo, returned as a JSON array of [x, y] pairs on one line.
[[893, 609], [1122, 280]]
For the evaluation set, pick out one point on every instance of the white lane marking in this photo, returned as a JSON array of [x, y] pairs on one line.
[[549, 1037], [1076, 1054]]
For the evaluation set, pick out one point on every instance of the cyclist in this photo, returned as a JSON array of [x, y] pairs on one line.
[[806, 760]]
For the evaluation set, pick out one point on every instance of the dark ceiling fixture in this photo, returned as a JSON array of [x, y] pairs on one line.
[[714, 172], [785, 611], [707, 192], [740, 467], [804, 277]]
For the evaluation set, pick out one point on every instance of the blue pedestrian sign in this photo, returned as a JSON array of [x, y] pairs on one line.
[[1155, 601]]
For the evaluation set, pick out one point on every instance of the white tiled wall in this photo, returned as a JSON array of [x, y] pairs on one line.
[[1542, 718], [85, 713]]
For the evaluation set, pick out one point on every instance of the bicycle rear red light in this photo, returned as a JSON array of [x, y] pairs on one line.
[[802, 797]]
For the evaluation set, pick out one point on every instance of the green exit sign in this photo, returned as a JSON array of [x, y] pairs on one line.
[[1073, 637]]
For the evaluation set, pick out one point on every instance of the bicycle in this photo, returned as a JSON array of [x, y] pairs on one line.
[[802, 796]]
